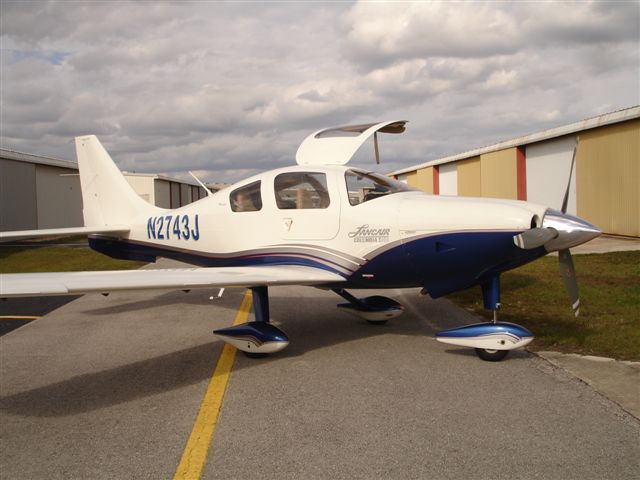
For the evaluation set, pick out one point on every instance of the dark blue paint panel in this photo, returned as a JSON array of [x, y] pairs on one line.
[[260, 332], [445, 263]]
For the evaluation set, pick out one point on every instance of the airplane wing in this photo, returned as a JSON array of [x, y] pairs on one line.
[[72, 283], [60, 232]]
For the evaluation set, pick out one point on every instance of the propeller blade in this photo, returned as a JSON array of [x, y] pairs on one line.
[[534, 238], [565, 202], [568, 274]]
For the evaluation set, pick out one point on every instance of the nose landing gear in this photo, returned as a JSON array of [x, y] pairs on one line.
[[491, 340]]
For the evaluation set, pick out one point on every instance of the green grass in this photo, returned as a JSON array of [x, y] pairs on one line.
[[609, 321], [59, 258]]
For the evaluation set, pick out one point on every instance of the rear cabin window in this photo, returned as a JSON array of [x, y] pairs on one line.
[[299, 190], [363, 187], [247, 198]]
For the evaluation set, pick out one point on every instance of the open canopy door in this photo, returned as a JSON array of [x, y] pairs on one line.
[[336, 146]]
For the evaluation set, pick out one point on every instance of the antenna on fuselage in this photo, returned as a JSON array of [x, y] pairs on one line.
[[206, 189]]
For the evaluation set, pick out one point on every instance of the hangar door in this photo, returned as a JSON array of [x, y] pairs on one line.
[[548, 165]]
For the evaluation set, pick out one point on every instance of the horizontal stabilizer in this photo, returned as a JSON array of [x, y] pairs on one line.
[[62, 232], [73, 283]]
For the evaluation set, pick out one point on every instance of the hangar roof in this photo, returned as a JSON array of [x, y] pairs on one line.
[[58, 162], [37, 159]]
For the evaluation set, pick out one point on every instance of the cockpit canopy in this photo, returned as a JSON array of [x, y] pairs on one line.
[[364, 186]]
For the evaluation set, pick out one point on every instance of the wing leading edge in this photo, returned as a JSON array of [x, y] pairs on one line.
[[72, 283]]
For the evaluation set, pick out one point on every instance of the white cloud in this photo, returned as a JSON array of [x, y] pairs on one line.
[[229, 89]]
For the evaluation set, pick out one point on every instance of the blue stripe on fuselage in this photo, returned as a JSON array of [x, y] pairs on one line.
[[443, 263], [147, 253]]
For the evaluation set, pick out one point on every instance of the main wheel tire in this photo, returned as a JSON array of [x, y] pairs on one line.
[[255, 355], [491, 355], [377, 322]]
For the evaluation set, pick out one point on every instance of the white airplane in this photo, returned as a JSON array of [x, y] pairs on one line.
[[322, 224]]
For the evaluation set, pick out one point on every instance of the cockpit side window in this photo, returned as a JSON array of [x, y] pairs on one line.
[[365, 186], [246, 198], [301, 190]]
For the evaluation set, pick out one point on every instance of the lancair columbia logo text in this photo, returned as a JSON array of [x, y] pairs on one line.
[[365, 234]]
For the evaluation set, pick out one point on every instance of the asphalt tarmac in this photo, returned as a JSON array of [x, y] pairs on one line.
[[109, 387]]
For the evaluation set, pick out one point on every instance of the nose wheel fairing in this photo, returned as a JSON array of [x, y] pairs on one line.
[[488, 336]]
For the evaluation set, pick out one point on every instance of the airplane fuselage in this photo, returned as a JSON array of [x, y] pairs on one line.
[[374, 239]]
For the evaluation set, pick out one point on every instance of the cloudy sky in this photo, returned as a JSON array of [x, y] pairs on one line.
[[230, 89]]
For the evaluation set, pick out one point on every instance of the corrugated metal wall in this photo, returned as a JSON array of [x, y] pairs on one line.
[[18, 206], [604, 188], [143, 186], [499, 174], [608, 174], [469, 184], [162, 192], [185, 194], [422, 179], [59, 197]]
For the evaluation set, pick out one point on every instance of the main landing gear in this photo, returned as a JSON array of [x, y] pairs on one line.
[[492, 341], [376, 310], [259, 338]]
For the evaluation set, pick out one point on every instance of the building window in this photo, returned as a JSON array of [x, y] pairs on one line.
[[247, 198], [301, 190]]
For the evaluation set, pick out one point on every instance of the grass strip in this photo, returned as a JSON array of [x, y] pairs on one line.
[[60, 258]]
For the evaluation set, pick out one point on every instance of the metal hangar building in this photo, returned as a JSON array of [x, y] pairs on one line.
[[605, 182], [44, 192]]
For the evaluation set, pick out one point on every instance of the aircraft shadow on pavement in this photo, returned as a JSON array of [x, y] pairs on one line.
[[97, 390], [173, 298], [311, 322]]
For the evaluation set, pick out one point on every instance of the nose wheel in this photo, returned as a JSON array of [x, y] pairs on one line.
[[489, 355]]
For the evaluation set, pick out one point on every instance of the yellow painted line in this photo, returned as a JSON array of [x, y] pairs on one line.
[[21, 317], [195, 452]]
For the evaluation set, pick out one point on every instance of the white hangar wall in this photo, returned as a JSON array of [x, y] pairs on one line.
[[448, 179]]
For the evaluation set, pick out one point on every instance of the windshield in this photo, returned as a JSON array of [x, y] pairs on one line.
[[365, 186]]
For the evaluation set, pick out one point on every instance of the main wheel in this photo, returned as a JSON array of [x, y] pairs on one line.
[[491, 355], [255, 355], [377, 322]]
